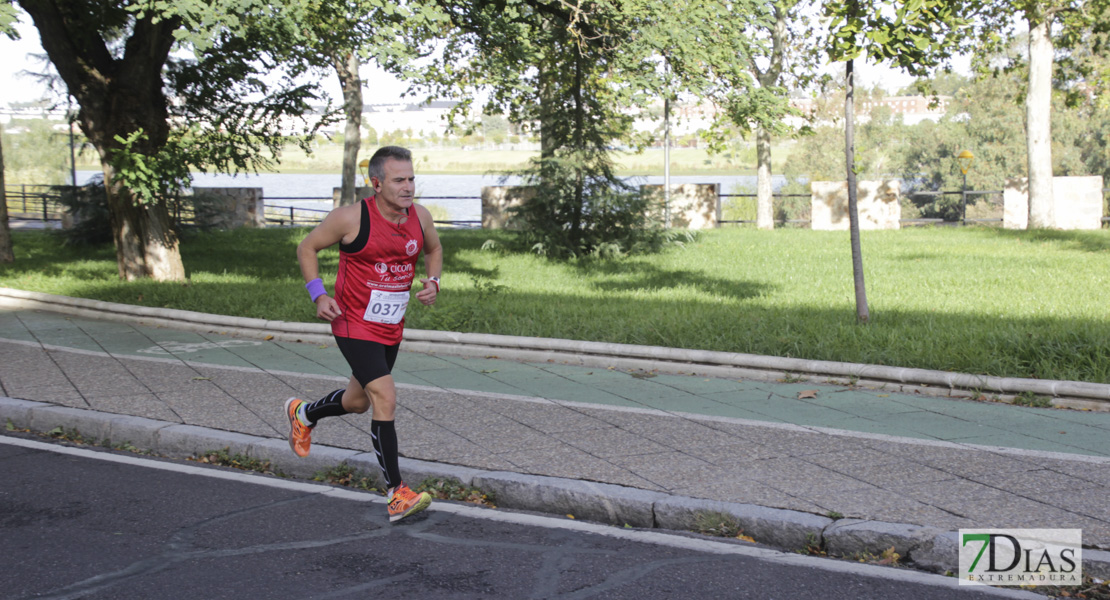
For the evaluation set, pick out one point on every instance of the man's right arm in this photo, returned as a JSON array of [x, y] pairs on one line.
[[332, 230]]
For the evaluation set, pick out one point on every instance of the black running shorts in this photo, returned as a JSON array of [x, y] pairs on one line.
[[368, 360]]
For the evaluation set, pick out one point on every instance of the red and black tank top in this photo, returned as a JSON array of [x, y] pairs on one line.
[[376, 271]]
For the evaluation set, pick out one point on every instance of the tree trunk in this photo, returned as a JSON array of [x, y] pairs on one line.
[[146, 245], [579, 147], [863, 314], [764, 215], [7, 255], [1038, 107], [347, 69]]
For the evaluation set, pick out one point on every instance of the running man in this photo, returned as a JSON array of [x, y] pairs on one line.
[[379, 241]]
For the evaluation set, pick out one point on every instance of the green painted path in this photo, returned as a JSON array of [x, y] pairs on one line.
[[838, 407]]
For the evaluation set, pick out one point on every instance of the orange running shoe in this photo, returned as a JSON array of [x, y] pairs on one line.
[[300, 435], [405, 502]]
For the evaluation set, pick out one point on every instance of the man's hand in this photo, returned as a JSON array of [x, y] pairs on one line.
[[427, 296], [327, 308]]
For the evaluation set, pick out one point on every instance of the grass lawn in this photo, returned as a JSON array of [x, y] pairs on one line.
[[977, 300]]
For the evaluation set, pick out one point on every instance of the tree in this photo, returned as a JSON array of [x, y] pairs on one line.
[[341, 33], [916, 35], [784, 56], [1072, 21], [574, 69], [152, 116], [7, 253]]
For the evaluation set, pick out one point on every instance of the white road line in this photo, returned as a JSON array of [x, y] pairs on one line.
[[475, 512]]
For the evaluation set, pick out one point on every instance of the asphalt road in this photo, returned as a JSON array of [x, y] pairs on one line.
[[87, 523]]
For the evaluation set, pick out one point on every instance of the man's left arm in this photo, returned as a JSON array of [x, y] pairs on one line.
[[433, 257]]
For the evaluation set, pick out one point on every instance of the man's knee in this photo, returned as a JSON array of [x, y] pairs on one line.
[[383, 398], [359, 406], [355, 401]]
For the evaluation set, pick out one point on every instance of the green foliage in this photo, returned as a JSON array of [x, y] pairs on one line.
[[1033, 400], [915, 35], [233, 97], [576, 70], [8, 18], [150, 177]]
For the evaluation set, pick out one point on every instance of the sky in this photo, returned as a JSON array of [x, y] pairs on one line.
[[18, 56], [381, 88]]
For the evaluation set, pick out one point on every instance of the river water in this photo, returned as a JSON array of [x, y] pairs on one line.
[[460, 195]]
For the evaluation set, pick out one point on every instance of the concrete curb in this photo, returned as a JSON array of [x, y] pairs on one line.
[[1070, 394], [927, 548]]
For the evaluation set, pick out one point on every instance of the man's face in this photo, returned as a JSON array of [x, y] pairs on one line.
[[398, 184]]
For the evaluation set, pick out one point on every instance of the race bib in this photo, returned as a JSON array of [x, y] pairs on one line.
[[386, 307]]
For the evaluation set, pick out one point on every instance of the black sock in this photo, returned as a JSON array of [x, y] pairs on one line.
[[384, 436], [328, 406]]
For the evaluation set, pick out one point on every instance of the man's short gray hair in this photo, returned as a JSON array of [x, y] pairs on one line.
[[377, 161]]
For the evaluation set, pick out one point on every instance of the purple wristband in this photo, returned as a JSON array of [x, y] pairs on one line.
[[315, 288]]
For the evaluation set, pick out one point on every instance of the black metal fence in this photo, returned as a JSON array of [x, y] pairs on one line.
[[41, 204], [34, 202]]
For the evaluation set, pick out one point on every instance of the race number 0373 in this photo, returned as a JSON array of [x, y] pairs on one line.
[[386, 307]]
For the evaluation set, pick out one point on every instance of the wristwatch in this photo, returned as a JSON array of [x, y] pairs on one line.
[[436, 280]]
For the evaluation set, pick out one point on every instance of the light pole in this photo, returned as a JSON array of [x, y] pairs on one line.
[[964, 159]]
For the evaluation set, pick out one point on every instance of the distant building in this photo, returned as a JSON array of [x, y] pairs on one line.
[[913, 109], [423, 118]]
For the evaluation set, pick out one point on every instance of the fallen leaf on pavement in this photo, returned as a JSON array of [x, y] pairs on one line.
[[807, 394]]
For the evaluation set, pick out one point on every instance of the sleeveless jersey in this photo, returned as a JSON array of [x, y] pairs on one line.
[[376, 272]]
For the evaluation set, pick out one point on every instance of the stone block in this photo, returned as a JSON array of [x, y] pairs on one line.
[[17, 411], [940, 553], [498, 200], [140, 432], [190, 440], [877, 203], [849, 536], [90, 424], [691, 205], [1077, 203], [415, 471], [786, 529], [321, 458], [601, 502], [1096, 563], [229, 208]]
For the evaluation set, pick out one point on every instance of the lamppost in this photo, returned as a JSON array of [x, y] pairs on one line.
[[964, 159]]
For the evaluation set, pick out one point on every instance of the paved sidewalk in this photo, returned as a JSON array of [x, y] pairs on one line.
[[915, 463]]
